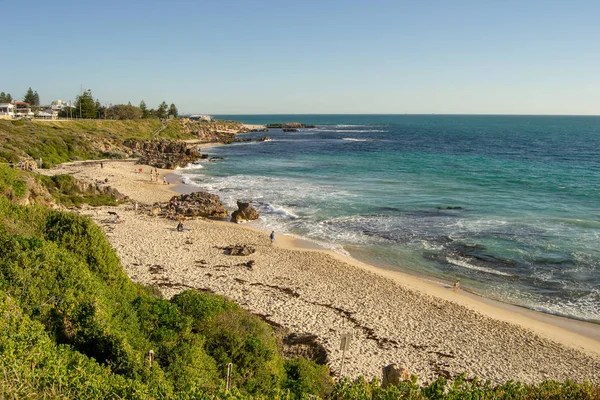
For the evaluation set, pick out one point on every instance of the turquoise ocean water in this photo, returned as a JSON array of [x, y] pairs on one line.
[[508, 204]]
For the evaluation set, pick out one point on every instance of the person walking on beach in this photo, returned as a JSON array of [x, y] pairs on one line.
[[165, 180], [456, 285], [272, 237]]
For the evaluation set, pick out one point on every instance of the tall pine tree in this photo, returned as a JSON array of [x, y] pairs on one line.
[[162, 110], [173, 111], [31, 97], [5, 98], [144, 108], [85, 105]]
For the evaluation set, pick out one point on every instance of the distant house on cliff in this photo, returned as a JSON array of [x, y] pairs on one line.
[[22, 109], [7, 111]]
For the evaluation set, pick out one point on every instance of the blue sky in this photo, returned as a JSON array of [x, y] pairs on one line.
[[242, 56]]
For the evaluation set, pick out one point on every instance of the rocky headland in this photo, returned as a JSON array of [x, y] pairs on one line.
[[290, 125]]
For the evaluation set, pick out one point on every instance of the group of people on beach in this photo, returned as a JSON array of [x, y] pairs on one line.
[[154, 175]]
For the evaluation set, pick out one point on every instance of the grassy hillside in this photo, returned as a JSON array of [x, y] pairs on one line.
[[60, 141]]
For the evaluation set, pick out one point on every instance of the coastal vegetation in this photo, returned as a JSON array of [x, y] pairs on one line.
[[86, 107], [55, 142], [61, 141]]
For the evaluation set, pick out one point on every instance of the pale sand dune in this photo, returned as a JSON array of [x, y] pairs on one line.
[[392, 316]]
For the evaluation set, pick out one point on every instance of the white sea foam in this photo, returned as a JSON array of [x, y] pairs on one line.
[[187, 180], [355, 139], [190, 166], [350, 130], [464, 264], [586, 307], [280, 211]]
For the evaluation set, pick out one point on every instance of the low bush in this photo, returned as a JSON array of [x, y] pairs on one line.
[[304, 377], [236, 337], [12, 185]]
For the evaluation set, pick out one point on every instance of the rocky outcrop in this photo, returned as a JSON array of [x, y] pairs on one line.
[[164, 153], [197, 204], [290, 125], [393, 375], [304, 345], [213, 131], [245, 212], [100, 187]]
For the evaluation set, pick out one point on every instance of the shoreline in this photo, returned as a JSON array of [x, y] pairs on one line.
[[588, 333], [576, 335]]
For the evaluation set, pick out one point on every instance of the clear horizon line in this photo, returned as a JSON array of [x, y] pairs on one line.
[[421, 114]]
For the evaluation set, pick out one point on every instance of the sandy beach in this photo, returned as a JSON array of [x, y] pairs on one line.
[[393, 317]]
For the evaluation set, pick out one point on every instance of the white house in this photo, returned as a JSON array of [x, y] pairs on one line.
[[7, 111], [22, 109], [48, 114], [58, 105]]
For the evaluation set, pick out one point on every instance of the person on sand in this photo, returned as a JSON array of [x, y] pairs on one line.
[[101, 164], [456, 285], [180, 226], [165, 180], [272, 237]]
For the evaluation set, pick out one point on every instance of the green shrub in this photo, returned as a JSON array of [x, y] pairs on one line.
[[83, 238], [460, 388], [32, 365], [201, 306], [12, 185], [248, 343], [304, 377]]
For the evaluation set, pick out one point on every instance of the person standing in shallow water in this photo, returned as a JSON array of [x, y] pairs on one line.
[[272, 237]]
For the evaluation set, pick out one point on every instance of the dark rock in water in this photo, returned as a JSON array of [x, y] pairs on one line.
[[290, 130], [198, 204], [450, 208], [264, 139], [213, 159], [237, 140], [245, 212], [239, 250], [290, 125]]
